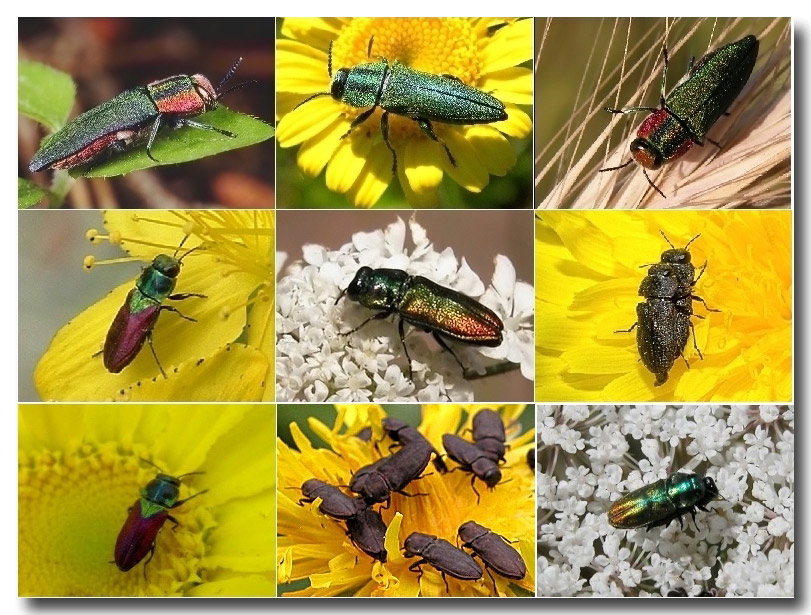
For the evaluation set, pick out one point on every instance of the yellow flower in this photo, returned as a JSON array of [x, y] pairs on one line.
[[80, 469], [314, 552], [483, 53], [226, 355], [588, 274]]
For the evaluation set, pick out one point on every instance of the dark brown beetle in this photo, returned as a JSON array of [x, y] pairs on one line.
[[402, 432], [472, 459], [368, 531], [376, 481], [488, 433], [443, 556], [494, 551], [334, 502]]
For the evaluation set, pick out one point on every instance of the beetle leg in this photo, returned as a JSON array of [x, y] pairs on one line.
[[181, 296], [173, 520], [444, 578], [360, 119], [418, 566], [169, 308], [378, 316], [154, 354], [402, 339], [152, 134], [151, 555], [444, 345], [695, 345], [473, 486], [426, 127], [627, 330], [187, 122], [384, 128], [487, 568]]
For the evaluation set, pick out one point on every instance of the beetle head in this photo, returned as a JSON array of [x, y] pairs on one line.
[[645, 154], [338, 85]]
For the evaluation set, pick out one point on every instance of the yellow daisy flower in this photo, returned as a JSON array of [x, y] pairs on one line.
[[317, 558], [80, 469], [226, 355], [588, 274], [484, 53]]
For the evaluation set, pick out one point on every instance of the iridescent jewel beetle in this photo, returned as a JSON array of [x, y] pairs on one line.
[[663, 501], [133, 324], [401, 90], [146, 517], [131, 117], [441, 311], [686, 115]]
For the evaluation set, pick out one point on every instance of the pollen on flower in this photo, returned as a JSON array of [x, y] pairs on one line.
[[92, 235], [114, 238], [88, 262]]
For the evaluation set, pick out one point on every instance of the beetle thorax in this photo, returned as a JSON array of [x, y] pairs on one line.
[[205, 90]]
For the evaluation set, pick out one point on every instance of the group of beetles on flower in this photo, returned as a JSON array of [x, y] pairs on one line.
[[375, 483]]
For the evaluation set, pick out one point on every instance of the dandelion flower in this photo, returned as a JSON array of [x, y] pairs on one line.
[[80, 469], [588, 270], [315, 548], [483, 53], [227, 354], [590, 456], [621, 67], [316, 362]]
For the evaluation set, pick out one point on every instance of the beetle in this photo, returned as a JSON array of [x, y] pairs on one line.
[[334, 502], [663, 320], [133, 324], [131, 117], [402, 432], [376, 481], [426, 305], [146, 517], [488, 433], [684, 117], [494, 551], [663, 501], [442, 555], [401, 90], [472, 459], [367, 531]]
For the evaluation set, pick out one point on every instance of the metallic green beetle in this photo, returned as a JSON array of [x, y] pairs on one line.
[[661, 502], [398, 89]]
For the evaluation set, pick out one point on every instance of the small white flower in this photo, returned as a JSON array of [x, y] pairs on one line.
[[320, 356]]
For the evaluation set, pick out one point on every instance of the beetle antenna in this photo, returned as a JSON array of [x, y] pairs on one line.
[[329, 60], [662, 233], [160, 469], [622, 166], [691, 241], [369, 49], [309, 98], [343, 292], [189, 474], [227, 78]]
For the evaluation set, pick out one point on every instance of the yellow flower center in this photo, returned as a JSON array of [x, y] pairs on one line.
[[71, 509], [441, 46]]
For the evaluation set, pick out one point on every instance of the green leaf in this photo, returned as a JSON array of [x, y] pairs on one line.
[[187, 143], [44, 93], [28, 193]]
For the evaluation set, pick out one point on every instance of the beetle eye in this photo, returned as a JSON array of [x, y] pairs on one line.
[[339, 83]]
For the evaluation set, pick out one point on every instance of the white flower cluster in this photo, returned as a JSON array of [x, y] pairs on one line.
[[590, 456], [317, 362]]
